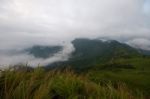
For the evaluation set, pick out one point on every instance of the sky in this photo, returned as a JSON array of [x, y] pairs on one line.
[[24, 23]]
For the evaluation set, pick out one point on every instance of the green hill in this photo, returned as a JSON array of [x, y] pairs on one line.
[[91, 52]]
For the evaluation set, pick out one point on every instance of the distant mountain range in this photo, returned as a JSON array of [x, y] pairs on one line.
[[43, 51], [89, 52]]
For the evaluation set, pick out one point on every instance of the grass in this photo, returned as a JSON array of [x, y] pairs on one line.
[[134, 72], [60, 84]]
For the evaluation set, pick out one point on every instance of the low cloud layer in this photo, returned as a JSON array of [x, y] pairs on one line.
[[24, 23], [140, 43], [24, 58]]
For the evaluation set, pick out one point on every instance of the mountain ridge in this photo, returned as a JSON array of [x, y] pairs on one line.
[[90, 52]]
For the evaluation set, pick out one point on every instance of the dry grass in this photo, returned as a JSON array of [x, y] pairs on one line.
[[55, 84]]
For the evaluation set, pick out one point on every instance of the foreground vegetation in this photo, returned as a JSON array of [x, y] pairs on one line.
[[60, 84], [120, 78]]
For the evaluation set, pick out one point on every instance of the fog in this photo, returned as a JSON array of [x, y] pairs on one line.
[[11, 58], [24, 23]]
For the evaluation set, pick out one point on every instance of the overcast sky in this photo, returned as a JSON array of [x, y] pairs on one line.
[[24, 23]]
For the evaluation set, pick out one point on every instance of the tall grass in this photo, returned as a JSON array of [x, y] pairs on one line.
[[55, 84]]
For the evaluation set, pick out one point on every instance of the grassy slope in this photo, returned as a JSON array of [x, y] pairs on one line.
[[120, 78], [39, 84], [134, 72]]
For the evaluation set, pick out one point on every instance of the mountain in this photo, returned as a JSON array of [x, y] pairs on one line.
[[86, 48], [92, 52], [144, 52], [43, 51], [89, 53]]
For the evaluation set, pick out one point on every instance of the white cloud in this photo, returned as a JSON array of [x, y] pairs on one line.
[[140, 43], [16, 57], [24, 23]]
